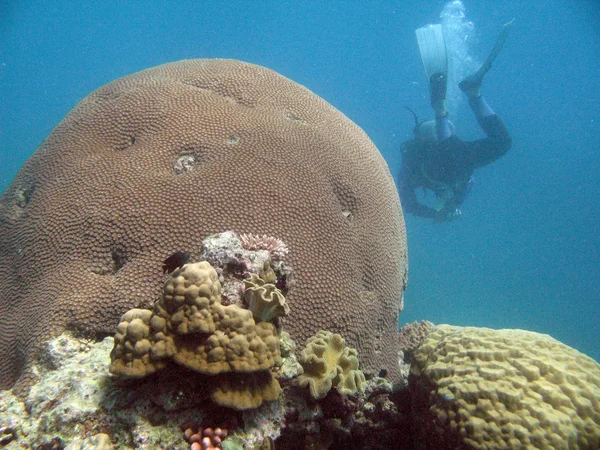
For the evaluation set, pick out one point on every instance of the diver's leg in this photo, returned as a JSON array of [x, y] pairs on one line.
[[437, 89], [442, 127], [480, 107], [478, 104]]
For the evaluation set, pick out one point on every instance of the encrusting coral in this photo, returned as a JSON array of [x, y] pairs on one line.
[[190, 326], [481, 388], [327, 363]]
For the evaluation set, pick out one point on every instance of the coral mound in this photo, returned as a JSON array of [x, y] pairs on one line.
[[151, 163], [491, 389], [327, 362], [190, 326]]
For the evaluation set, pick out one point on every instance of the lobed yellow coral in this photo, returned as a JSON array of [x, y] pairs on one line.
[[247, 392], [485, 389], [264, 299], [139, 350], [190, 326], [327, 362]]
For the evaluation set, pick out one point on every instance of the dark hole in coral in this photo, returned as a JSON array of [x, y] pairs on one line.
[[191, 340], [367, 280], [118, 257], [132, 140], [346, 197], [282, 282], [382, 373], [189, 156], [294, 117]]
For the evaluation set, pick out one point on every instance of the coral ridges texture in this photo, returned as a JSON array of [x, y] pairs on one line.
[[152, 163], [491, 389]]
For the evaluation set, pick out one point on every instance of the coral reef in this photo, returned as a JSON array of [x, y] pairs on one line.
[[235, 264], [470, 388], [377, 419], [412, 335], [190, 326], [151, 163], [77, 404], [482, 388], [327, 363]]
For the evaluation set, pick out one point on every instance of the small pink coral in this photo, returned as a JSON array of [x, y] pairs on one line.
[[203, 439], [274, 246]]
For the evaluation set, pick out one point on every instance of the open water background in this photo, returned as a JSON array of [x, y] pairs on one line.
[[525, 253]]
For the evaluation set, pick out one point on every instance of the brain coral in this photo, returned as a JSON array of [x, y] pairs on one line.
[[491, 389], [153, 162]]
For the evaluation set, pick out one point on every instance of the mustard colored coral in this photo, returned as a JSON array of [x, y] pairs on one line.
[[190, 326], [139, 350], [246, 392], [264, 299], [490, 389], [327, 363]]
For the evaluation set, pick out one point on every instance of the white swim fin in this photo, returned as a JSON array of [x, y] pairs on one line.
[[432, 47]]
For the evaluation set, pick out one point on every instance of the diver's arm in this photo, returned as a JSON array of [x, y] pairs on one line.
[[459, 196], [408, 197], [498, 140], [451, 210], [420, 210]]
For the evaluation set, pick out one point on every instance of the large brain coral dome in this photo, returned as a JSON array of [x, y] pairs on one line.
[[152, 163]]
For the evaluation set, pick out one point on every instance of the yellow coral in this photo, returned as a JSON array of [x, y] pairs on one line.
[[248, 392], [486, 388], [327, 362], [134, 341], [191, 326], [188, 298], [264, 300]]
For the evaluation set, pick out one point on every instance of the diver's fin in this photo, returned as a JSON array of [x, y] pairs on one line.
[[432, 47], [474, 80]]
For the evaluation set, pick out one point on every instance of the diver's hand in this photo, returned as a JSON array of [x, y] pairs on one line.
[[454, 214], [448, 215]]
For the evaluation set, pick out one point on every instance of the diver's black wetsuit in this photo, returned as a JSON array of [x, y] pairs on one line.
[[448, 165]]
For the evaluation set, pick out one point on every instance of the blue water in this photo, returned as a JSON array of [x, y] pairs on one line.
[[525, 253]]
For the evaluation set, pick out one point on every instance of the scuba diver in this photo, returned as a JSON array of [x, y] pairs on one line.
[[436, 159]]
